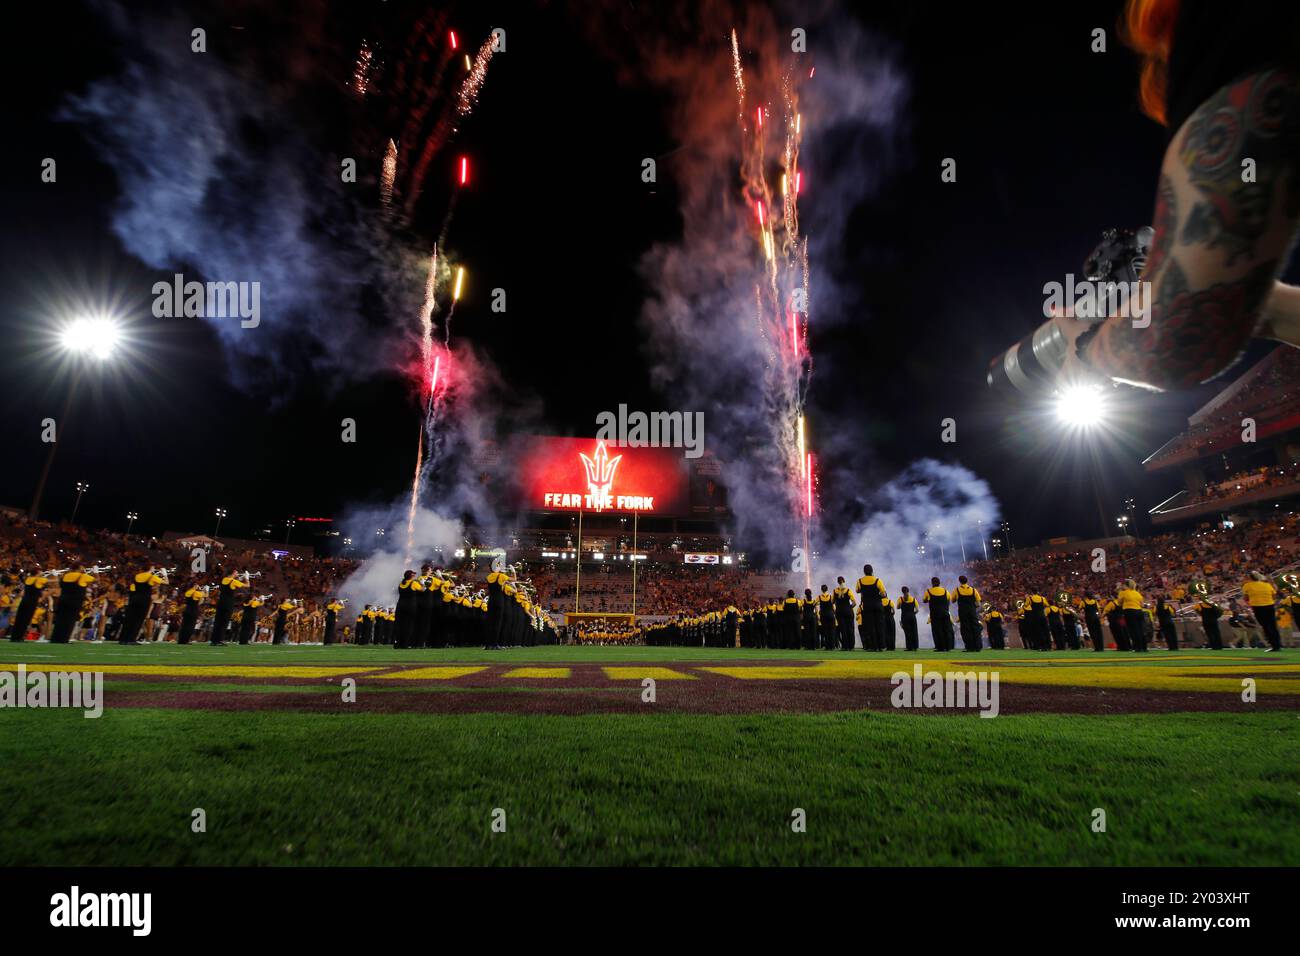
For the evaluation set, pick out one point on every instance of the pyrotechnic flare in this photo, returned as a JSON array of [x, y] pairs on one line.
[[460, 279], [473, 84], [784, 253], [361, 72], [464, 170], [388, 174], [415, 496], [739, 72]]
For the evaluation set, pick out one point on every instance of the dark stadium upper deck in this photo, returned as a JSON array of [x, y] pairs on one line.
[[1268, 393]]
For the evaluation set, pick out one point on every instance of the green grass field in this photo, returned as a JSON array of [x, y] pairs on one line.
[[407, 788]]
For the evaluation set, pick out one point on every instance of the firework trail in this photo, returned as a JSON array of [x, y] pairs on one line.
[[388, 174], [466, 99], [363, 71], [473, 84], [781, 297], [430, 366]]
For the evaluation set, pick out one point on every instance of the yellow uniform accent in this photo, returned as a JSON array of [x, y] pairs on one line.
[[1259, 593]]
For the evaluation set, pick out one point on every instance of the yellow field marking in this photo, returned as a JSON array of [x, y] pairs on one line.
[[1133, 677], [640, 673], [433, 673], [216, 670], [560, 672]]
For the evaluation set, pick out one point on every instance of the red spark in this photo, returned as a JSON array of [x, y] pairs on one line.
[[453, 39], [464, 170], [810, 484], [433, 382]]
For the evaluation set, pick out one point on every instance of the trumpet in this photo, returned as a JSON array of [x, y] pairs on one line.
[[164, 572], [986, 607], [54, 572], [249, 575], [99, 568]]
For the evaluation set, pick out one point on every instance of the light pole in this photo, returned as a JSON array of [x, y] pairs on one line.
[[221, 513], [289, 524], [95, 338], [1122, 521], [130, 520], [82, 488]]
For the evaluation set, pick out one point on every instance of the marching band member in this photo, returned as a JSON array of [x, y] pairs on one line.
[[194, 597], [33, 588], [74, 587]]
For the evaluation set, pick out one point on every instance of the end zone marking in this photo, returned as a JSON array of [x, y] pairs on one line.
[[202, 670], [433, 673], [544, 672], [640, 673], [1135, 676]]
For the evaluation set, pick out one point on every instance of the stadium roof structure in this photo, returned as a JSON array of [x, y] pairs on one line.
[[1268, 392]]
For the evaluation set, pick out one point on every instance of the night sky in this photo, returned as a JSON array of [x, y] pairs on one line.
[[1051, 150]]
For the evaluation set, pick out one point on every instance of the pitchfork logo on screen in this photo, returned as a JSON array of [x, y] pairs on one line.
[[593, 474], [600, 476]]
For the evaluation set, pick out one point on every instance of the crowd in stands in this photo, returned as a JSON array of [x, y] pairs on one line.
[[1253, 479], [1164, 566], [32, 546], [1271, 395]]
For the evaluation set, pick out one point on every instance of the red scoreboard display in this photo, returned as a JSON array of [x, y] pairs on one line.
[[585, 474]]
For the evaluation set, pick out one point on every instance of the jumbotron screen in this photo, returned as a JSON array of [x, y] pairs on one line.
[[584, 474]]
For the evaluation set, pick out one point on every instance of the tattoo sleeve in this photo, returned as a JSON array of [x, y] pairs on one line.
[[1225, 216]]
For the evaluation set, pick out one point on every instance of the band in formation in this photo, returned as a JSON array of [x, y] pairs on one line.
[[433, 610]]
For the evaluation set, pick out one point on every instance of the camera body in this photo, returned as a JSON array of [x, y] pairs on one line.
[[1032, 364]]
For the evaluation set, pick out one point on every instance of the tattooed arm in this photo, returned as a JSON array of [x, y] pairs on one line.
[[1281, 318], [1222, 235]]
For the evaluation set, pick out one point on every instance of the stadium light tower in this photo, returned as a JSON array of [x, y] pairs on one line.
[[221, 513], [131, 516], [82, 488], [84, 339], [1081, 407]]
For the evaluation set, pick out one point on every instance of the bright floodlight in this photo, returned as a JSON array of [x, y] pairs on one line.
[[94, 337], [1081, 406]]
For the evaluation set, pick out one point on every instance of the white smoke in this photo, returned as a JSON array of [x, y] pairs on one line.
[[941, 508], [376, 580]]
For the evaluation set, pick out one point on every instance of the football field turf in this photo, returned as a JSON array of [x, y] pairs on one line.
[[559, 756]]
